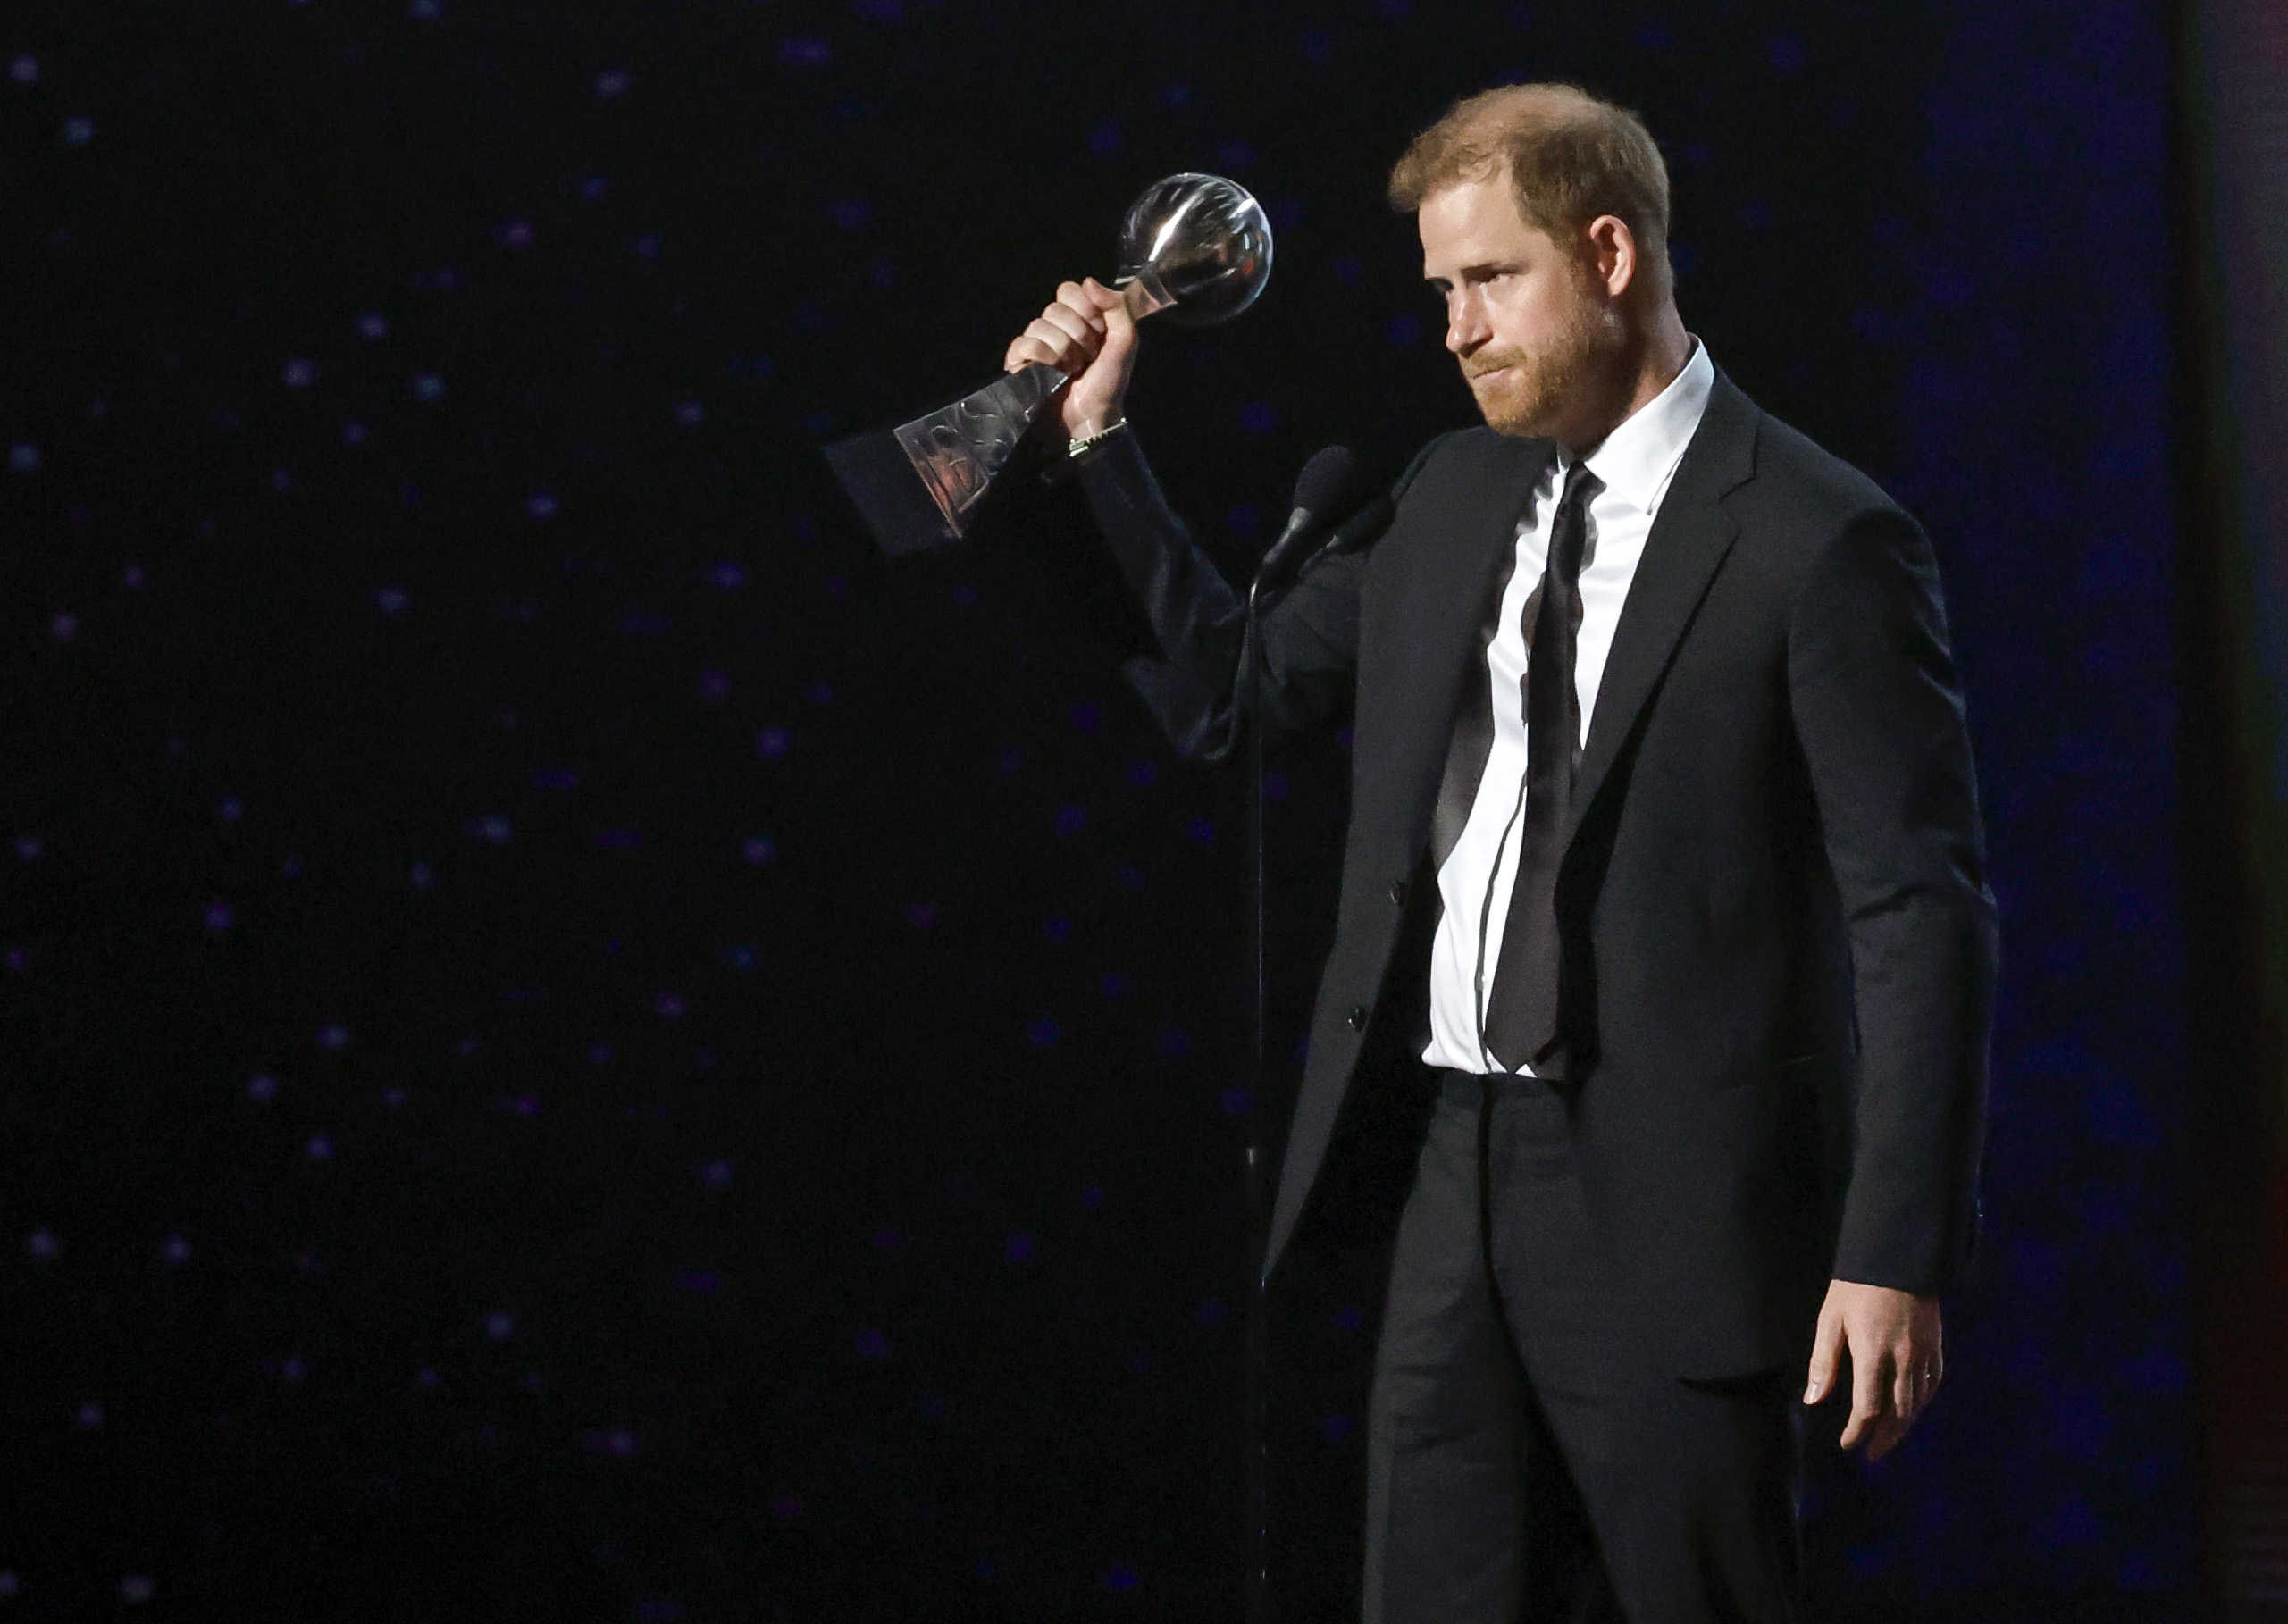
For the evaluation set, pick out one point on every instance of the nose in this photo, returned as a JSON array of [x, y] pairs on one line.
[[1465, 322]]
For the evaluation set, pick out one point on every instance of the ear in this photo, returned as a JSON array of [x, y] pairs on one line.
[[1612, 251]]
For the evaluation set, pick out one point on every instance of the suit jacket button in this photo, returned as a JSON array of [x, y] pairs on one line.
[[1356, 1020], [1398, 893]]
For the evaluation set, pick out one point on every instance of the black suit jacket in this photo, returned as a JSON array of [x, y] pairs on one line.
[[1779, 947]]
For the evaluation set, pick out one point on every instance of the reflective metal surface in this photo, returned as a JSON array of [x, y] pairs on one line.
[[1196, 249], [1207, 240]]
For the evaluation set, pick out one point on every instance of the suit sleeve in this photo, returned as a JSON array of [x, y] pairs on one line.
[[1199, 623], [1879, 714]]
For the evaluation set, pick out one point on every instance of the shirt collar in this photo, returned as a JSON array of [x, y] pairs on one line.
[[1637, 458]]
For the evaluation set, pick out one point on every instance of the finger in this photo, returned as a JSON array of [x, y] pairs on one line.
[[1070, 323], [1867, 1397], [1024, 352], [1825, 1345], [1887, 1435], [1076, 298], [1096, 293], [1906, 1385], [1056, 344]]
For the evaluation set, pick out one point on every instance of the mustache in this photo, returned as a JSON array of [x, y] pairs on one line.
[[1490, 361]]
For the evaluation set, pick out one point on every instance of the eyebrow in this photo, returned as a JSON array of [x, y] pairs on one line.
[[1476, 271]]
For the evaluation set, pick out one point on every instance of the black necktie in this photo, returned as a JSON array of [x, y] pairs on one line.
[[1521, 1014]]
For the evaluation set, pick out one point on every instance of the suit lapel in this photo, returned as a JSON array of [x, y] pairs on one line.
[[1465, 540], [1688, 543]]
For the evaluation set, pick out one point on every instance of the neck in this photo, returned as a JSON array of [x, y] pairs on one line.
[[1647, 362]]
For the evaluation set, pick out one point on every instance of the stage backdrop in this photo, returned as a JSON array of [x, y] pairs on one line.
[[577, 1047]]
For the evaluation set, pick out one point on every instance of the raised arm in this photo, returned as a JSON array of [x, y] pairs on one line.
[[1198, 621]]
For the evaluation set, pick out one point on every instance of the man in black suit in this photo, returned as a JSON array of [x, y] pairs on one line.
[[1663, 876]]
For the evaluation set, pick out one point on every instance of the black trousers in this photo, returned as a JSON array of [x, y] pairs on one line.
[[1527, 1459]]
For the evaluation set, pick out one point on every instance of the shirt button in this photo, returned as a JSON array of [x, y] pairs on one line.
[[1398, 893], [1356, 1020]]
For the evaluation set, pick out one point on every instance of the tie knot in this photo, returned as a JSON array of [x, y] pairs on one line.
[[1569, 533]]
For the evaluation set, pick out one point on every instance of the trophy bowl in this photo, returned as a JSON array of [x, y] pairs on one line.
[[1204, 239]]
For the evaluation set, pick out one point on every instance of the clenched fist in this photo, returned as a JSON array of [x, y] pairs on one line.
[[1088, 335]]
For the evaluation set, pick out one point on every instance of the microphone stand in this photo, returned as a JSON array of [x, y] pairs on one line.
[[1259, 1581]]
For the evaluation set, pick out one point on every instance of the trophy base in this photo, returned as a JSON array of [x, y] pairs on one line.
[[919, 485]]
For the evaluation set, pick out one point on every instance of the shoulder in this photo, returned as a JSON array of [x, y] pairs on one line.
[[1461, 461], [1800, 485]]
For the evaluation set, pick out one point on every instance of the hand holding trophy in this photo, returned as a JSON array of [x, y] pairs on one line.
[[1194, 248]]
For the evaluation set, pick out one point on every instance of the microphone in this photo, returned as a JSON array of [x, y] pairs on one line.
[[1317, 490], [1363, 528]]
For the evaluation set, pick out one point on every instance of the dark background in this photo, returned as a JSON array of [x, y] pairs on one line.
[[577, 1047]]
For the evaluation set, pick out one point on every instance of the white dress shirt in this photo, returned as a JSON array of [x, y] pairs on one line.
[[1634, 464]]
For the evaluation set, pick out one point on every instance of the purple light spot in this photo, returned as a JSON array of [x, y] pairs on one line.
[[620, 840], [1085, 717], [772, 743], [24, 458], [352, 433], [429, 387], [492, 829], [1347, 1318], [319, 1149], [1071, 820], [600, 1054], [219, 918], [1114, 985], [805, 52], [610, 83], [555, 778], [1200, 831], [727, 575], [426, 11], [1212, 1312], [421, 876], [1043, 1033], [873, 1346], [759, 850], [699, 1282], [1335, 1428], [391, 600], [90, 1417], [1143, 773], [1092, 1197], [78, 131], [851, 215], [887, 1238], [1402, 331], [1275, 788], [42, 1245], [823, 694], [427, 1379], [1120, 1576], [540, 504], [690, 414], [1786, 53], [1259, 417], [64, 627], [521, 1105], [1236, 156], [1104, 140], [231, 811], [25, 70], [786, 1507], [1019, 1248], [1318, 47], [713, 685], [261, 1088], [393, 1097], [1173, 1045], [174, 1250], [135, 1589], [499, 1326], [717, 1174], [373, 324], [27, 848], [300, 374], [133, 578], [922, 915], [1235, 1102], [613, 1441], [1057, 928], [646, 246], [334, 1038], [1244, 520], [16, 959]]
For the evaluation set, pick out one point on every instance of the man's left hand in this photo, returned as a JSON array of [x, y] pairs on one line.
[[1897, 1360]]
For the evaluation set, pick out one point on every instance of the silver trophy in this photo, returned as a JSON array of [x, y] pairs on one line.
[[1196, 249]]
